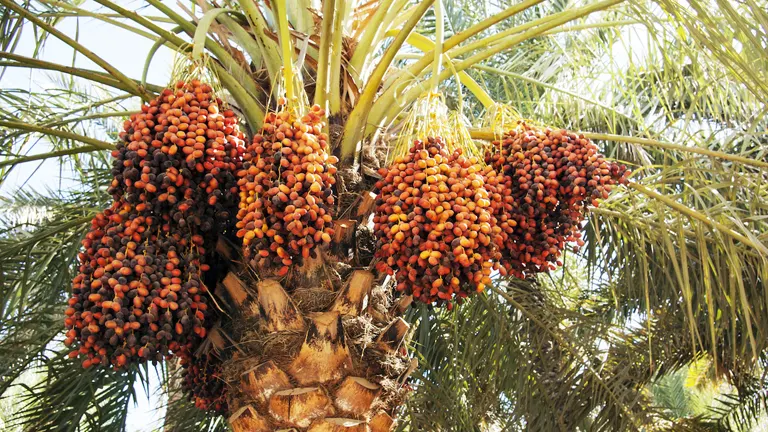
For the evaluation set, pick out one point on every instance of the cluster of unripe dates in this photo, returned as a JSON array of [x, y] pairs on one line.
[[434, 224], [203, 382], [548, 177], [179, 156], [139, 292], [444, 221], [286, 194]]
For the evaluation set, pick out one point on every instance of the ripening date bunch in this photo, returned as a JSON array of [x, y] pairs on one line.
[[286, 191], [203, 383], [548, 177], [180, 155], [138, 294], [434, 224]]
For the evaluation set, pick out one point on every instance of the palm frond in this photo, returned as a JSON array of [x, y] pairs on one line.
[[655, 255], [546, 368], [735, 34], [643, 74], [68, 123], [39, 240], [69, 398], [741, 410], [12, 26]]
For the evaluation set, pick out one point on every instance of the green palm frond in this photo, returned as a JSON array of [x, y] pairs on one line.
[[12, 26], [640, 72], [658, 255], [39, 240], [547, 368], [643, 75], [69, 398], [72, 124], [735, 34], [717, 407], [741, 410]]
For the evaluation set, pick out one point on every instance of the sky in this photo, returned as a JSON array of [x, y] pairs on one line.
[[127, 52]]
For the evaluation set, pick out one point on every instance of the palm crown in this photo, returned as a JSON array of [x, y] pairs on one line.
[[673, 268]]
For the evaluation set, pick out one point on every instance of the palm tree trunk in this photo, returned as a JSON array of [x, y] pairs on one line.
[[323, 349]]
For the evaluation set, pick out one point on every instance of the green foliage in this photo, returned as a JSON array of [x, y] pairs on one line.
[[545, 369], [39, 240], [70, 398]]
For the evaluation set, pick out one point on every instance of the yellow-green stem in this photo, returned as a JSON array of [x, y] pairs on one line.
[[336, 54], [425, 45], [203, 28], [151, 54], [665, 145], [229, 63], [101, 115], [284, 34], [490, 21], [648, 224], [27, 62], [243, 38], [438, 50], [254, 114], [251, 109], [417, 68], [78, 12], [143, 21], [498, 71], [364, 47], [91, 106], [249, 104], [400, 18], [395, 11], [608, 24], [57, 133], [268, 46], [326, 33], [49, 155], [487, 41], [353, 130]]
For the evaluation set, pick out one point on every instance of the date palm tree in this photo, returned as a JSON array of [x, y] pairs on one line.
[[673, 269]]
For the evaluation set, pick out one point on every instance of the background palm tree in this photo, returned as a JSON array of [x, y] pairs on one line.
[[674, 268]]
